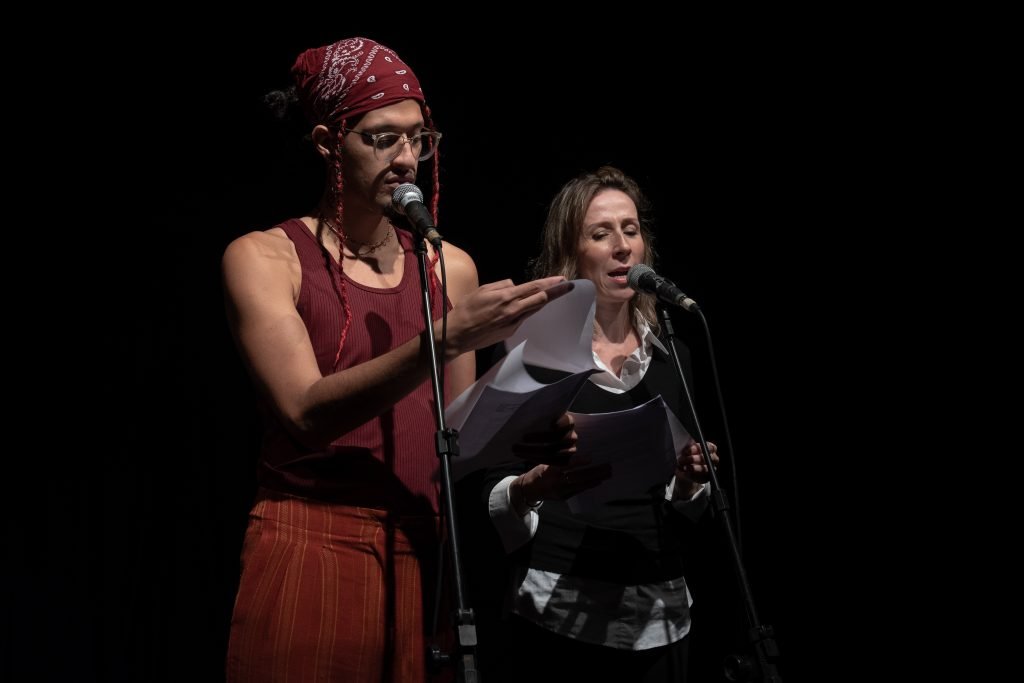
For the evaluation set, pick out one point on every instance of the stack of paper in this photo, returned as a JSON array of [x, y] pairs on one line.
[[506, 403]]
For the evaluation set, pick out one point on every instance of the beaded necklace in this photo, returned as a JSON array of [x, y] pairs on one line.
[[369, 248]]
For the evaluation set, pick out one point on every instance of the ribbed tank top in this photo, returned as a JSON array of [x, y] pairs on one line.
[[389, 462]]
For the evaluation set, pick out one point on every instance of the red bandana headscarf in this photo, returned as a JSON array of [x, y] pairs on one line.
[[340, 81], [351, 77]]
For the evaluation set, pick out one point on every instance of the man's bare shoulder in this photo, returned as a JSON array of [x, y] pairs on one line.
[[460, 265], [261, 242]]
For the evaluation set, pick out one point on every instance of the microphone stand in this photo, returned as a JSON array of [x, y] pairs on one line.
[[761, 637], [446, 442]]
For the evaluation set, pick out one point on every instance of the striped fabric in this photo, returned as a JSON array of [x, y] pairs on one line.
[[323, 589]]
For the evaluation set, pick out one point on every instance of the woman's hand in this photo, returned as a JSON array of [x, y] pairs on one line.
[[561, 472], [691, 470]]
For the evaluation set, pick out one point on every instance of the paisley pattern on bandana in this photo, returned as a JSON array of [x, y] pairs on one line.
[[351, 77]]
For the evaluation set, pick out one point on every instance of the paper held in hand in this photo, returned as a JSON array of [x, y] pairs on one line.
[[506, 403]]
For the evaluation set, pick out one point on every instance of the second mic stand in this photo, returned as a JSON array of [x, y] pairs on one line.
[[761, 637], [446, 442]]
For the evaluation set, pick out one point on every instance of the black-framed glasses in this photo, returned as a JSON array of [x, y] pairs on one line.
[[387, 146]]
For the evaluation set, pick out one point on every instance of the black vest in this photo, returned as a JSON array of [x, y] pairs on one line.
[[630, 541]]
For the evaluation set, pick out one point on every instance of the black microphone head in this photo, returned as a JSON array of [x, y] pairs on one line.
[[636, 273], [405, 193]]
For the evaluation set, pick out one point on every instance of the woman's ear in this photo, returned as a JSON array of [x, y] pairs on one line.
[[324, 140]]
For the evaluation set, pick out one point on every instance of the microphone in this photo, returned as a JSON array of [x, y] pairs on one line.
[[644, 279], [408, 201]]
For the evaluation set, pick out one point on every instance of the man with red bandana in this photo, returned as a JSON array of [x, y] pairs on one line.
[[326, 309]]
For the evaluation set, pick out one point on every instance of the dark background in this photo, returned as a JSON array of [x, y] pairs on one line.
[[133, 575]]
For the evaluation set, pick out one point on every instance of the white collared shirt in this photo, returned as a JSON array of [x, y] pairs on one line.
[[634, 367]]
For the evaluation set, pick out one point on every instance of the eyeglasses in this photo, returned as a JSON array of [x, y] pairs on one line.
[[387, 146]]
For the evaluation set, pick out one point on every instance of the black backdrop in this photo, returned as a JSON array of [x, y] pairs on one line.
[[138, 562]]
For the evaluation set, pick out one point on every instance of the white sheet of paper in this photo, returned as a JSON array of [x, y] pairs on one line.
[[560, 335], [506, 403], [641, 446]]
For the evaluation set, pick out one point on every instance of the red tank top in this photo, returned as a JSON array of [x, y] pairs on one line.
[[389, 462]]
